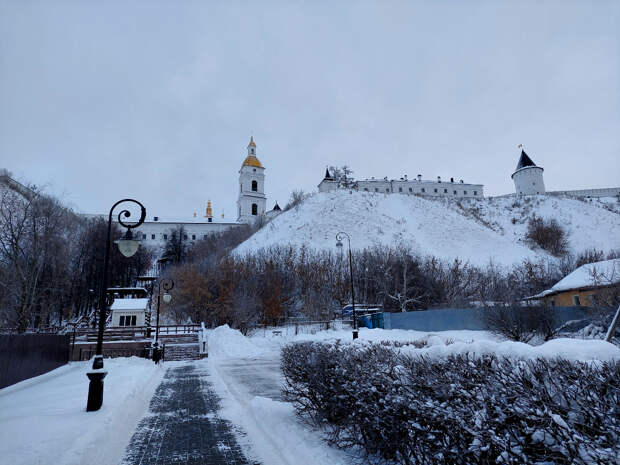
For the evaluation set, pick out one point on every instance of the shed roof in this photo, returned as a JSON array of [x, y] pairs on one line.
[[590, 275], [129, 304]]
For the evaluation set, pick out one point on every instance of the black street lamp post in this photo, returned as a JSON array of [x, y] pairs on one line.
[[339, 237], [167, 284], [128, 247]]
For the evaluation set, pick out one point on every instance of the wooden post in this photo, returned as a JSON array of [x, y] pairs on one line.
[[612, 326]]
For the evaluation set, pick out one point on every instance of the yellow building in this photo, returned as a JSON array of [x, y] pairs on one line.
[[592, 284]]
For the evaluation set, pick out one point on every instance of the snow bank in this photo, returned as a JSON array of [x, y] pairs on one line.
[[230, 343], [44, 419], [225, 342], [570, 349]]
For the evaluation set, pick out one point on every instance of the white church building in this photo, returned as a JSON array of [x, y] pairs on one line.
[[251, 205]]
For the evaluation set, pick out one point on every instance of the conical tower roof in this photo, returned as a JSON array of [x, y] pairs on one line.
[[524, 161]]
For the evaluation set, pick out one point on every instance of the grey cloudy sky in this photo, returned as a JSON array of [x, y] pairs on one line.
[[157, 99]]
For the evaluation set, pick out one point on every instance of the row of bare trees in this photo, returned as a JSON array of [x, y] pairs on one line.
[[217, 286], [51, 259]]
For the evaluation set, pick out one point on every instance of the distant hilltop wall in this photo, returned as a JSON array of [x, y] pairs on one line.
[[604, 192]]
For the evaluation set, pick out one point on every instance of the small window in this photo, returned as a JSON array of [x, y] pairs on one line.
[[387, 190], [254, 209], [121, 321], [435, 190], [185, 237], [165, 236], [465, 192], [475, 192], [376, 189], [254, 186], [152, 236], [143, 236], [133, 320], [205, 236], [410, 189], [254, 170], [366, 189], [423, 190], [193, 237], [454, 192], [576, 300], [445, 191], [400, 189]]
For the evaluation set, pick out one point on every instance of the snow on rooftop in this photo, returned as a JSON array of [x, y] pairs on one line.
[[129, 304], [602, 273]]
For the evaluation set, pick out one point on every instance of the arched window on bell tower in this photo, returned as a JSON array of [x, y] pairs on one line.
[[254, 186], [254, 209]]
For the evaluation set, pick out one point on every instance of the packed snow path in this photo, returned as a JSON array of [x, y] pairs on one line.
[[259, 376], [182, 426]]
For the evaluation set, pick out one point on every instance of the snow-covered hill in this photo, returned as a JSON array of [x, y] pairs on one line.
[[590, 223], [476, 231]]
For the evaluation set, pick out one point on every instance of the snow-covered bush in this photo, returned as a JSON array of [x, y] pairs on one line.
[[457, 409], [519, 323]]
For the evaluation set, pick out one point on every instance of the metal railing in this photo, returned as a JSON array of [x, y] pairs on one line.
[[295, 327]]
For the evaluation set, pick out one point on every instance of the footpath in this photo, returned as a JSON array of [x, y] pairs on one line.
[[182, 425]]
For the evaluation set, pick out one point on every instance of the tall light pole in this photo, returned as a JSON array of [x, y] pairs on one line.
[[167, 284], [339, 238], [128, 246]]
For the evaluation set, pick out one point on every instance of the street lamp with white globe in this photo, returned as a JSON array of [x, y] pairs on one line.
[[127, 246], [166, 284]]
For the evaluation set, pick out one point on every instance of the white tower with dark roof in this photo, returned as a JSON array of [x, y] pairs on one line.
[[528, 177], [252, 201]]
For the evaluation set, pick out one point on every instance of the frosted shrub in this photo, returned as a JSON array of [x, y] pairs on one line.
[[415, 410]]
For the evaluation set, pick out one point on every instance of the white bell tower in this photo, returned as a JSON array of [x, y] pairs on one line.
[[252, 201]]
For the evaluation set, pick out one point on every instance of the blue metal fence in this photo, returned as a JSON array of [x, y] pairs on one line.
[[461, 318]]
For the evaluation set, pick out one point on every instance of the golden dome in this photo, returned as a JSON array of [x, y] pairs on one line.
[[251, 161]]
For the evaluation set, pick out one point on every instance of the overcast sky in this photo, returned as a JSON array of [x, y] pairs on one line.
[[158, 99]]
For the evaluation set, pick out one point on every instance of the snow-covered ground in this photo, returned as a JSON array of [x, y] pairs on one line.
[[589, 223], [472, 230], [245, 372], [43, 420]]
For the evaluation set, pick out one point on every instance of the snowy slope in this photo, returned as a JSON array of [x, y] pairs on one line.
[[589, 223], [427, 227], [473, 230]]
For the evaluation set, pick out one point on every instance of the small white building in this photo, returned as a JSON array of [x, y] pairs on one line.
[[129, 312]]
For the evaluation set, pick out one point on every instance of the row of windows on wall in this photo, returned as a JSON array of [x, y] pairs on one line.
[[423, 190], [165, 236], [127, 320]]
